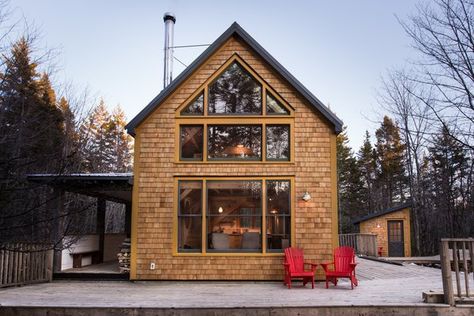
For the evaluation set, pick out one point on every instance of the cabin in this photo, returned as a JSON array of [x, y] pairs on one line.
[[393, 229], [234, 161]]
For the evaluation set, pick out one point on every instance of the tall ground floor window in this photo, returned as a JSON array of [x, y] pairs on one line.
[[240, 215]]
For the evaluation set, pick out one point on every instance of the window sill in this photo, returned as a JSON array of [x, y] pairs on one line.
[[228, 254], [218, 162]]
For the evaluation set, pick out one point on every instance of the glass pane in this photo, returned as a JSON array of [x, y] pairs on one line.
[[275, 107], [278, 232], [278, 142], [278, 197], [189, 233], [235, 91], [190, 197], [395, 231], [191, 142], [190, 216], [196, 107], [278, 214], [234, 215], [235, 142]]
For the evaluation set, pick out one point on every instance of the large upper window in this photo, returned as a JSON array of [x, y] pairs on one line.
[[235, 116], [235, 91], [236, 213]]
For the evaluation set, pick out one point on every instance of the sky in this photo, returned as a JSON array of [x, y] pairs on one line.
[[338, 49]]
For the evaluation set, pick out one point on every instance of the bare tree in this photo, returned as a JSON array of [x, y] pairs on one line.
[[443, 34], [413, 117]]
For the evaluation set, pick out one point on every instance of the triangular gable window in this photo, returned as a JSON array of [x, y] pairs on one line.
[[196, 107], [235, 91], [274, 107]]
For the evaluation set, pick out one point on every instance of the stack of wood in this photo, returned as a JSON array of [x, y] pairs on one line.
[[124, 256]]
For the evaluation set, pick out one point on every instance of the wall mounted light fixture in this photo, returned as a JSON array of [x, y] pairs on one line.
[[306, 196]]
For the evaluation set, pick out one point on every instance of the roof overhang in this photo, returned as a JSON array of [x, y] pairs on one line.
[[116, 187], [382, 212]]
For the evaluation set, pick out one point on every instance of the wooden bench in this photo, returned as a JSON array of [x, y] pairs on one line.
[[77, 257]]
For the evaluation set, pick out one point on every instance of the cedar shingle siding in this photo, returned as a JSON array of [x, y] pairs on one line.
[[155, 171]]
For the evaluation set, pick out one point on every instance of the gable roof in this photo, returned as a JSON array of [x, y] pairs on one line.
[[235, 30], [380, 213]]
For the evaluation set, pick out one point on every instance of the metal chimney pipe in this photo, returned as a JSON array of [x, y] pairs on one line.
[[169, 19]]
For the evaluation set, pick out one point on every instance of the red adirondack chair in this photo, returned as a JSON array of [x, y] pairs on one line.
[[344, 266], [294, 267]]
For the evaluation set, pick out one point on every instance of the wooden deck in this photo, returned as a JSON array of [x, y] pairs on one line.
[[430, 260], [381, 285]]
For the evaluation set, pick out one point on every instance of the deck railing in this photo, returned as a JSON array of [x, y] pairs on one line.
[[22, 263], [364, 244], [457, 254]]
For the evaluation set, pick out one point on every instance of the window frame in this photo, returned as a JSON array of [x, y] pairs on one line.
[[180, 144], [235, 119], [290, 215], [180, 215], [204, 246], [251, 74], [208, 216], [262, 145], [265, 143]]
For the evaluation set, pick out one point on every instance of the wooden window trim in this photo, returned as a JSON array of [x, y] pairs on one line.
[[204, 87], [235, 121], [264, 252], [180, 144]]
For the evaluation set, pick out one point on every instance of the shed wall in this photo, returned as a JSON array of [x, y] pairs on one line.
[[370, 227]]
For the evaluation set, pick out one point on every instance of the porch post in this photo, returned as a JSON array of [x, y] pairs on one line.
[[56, 204], [101, 206], [128, 218]]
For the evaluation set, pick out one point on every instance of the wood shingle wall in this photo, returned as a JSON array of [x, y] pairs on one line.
[[155, 171], [370, 227]]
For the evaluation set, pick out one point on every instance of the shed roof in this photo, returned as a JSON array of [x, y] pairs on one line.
[[115, 187], [235, 30], [382, 212]]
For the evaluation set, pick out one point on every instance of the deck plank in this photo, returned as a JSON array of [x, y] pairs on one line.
[[381, 284]]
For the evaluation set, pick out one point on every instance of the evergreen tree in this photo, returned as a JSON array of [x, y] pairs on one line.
[[121, 140], [71, 144], [448, 177], [391, 175], [95, 150], [106, 145], [350, 185], [366, 159], [31, 138]]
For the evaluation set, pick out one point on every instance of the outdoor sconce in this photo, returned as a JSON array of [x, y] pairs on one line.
[[378, 225], [306, 196], [220, 210]]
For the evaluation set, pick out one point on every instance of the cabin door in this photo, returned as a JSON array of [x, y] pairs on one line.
[[395, 239]]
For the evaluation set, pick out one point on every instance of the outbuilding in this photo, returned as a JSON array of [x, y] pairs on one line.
[[393, 229]]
